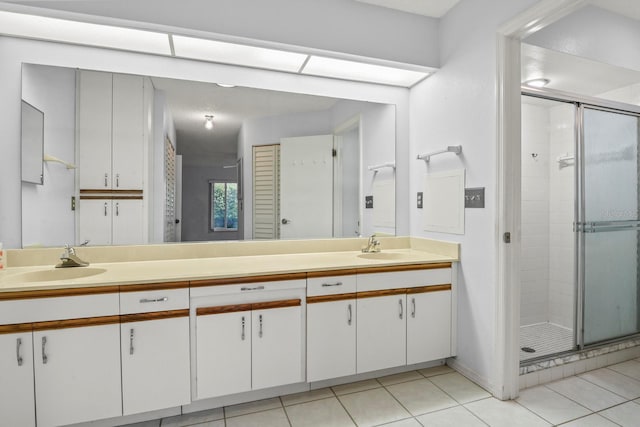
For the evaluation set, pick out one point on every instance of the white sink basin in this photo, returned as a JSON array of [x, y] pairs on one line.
[[53, 274], [384, 256]]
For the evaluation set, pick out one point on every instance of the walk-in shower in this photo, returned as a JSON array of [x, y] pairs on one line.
[[580, 227]]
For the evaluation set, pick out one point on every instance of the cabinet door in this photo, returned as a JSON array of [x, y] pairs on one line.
[[331, 339], [95, 222], [381, 333], [155, 365], [94, 129], [16, 381], [277, 347], [223, 353], [77, 374], [128, 222], [128, 132], [428, 326]]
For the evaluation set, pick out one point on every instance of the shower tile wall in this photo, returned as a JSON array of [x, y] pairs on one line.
[[547, 261], [535, 215]]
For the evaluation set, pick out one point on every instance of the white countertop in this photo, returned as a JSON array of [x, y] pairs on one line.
[[138, 272]]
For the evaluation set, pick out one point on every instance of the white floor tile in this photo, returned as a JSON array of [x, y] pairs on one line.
[[420, 397], [400, 378], [614, 381], [630, 368], [270, 418], [355, 387], [307, 396], [550, 405], [250, 407], [373, 407], [151, 423], [452, 417], [593, 420], [586, 393], [321, 413], [626, 415], [460, 388], [218, 423], [436, 370], [193, 418], [499, 413], [409, 422]]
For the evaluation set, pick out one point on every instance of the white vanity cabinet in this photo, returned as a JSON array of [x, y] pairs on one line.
[[110, 130], [16, 379], [70, 344], [77, 373], [247, 336], [331, 326], [154, 343], [106, 221], [404, 316]]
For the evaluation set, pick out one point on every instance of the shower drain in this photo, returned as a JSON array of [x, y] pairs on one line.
[[528, 350]]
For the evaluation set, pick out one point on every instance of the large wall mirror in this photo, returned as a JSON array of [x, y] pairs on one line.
[[144, 159]]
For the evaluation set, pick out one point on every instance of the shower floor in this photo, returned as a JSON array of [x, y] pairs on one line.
[[545, 339]]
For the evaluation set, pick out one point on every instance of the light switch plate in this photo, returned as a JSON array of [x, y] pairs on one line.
[[474, 197]]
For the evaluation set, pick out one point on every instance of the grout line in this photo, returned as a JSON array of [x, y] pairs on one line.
[[284, 409]]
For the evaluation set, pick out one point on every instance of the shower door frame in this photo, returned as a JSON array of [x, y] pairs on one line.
[[580, 102]]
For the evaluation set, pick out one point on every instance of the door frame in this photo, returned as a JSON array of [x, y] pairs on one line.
[[508, 170]]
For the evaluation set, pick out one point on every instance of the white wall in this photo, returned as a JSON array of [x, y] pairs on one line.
[[457, 105], [47, 216], [13, 52], [334, 25], [596, 34]]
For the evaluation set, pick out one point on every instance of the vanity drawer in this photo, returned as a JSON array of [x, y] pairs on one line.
[[58, 308], [403, 279], [154, 300], [331, 285]]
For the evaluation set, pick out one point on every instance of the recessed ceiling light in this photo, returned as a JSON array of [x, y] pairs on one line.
[[67, 31], [225, 85], [352, 70], [237, 54], [537, 82]]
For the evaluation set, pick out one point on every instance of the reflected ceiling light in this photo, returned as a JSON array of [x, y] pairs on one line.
[[237, 54], [351, 70], [208, 122], [67, 31], [537, 82]]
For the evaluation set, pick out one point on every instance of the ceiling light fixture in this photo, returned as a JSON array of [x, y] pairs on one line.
[[537, 82], [208, 121], [226, 85]]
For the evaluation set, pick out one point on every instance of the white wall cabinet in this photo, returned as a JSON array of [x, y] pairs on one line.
[[77, 374], [110, 130], [155, 364], [107, 222], [248, 347], [16, 380]]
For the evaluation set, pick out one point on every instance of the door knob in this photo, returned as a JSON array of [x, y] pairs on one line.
[[285, 221]]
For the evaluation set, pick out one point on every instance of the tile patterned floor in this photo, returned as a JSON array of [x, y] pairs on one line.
[[545, 339], [440, 397]]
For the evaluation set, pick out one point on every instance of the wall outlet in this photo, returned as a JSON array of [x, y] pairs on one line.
[[419, 199], [368, 202]]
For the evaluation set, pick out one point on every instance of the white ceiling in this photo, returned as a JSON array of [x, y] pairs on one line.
[[190, 101], [630, 8], [432, 8]]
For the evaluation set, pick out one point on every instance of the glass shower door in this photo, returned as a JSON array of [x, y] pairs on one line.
[[609, 224]]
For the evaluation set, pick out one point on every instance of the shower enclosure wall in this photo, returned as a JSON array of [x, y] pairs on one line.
[[548, 244], [580, 265]]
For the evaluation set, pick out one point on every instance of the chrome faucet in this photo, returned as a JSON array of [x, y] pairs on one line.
[[70, 259], [373, 245]]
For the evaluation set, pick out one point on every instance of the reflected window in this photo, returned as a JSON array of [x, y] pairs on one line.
[[223, 206]]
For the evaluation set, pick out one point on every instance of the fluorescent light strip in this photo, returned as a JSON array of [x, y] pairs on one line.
[[351, 70], [237, 54], [62, 30]]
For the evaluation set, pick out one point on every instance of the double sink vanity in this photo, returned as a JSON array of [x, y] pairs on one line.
[[194, 326]]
